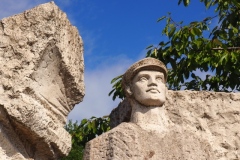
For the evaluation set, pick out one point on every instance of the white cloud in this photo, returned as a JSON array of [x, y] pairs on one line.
[[97, 81], [11, 7], [90, 39]]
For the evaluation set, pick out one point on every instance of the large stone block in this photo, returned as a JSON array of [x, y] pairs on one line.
[[129, 141], [206, 126], [41, 68]]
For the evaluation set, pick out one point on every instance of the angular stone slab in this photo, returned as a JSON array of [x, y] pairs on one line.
[[41, 68]]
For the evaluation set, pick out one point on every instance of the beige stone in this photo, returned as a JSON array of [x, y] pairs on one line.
[[214, 116], [129, 141], [190, 125], [145, 87], [41, 68]]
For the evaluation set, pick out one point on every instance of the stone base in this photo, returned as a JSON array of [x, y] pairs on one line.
[[129, 141]]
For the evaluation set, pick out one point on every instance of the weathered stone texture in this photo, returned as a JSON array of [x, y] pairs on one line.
[[129, 141], [41, 68], [210, 117]]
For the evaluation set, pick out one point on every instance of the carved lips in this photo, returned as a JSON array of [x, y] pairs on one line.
[[153, 90]]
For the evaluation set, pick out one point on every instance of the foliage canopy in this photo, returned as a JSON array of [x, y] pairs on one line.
[[199, 46]]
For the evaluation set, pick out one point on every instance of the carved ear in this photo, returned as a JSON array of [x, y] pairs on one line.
[[128, 90]]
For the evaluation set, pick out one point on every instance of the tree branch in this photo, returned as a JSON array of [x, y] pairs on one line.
[[229, 48]]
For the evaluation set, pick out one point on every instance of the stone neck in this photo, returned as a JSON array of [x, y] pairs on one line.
[[150, 118]]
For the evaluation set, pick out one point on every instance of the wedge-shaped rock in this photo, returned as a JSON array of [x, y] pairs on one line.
[[41, 68]]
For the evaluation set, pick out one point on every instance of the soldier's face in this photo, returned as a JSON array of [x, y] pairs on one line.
[[148, 88]]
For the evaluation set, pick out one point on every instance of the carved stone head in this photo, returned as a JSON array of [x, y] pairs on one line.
[[145, 82]]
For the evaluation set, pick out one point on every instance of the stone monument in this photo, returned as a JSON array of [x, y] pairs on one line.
[[41, 68], [150, 134], [213, 116]]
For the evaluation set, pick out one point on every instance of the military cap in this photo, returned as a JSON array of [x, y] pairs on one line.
[[144, 64]]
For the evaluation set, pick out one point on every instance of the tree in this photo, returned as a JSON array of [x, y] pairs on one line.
[[198, 46], [84, 132]]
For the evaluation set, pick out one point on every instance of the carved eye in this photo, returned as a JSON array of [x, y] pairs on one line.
[[142, 79], [159, 79]]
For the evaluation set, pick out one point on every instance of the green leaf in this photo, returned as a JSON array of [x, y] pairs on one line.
[[186, 2], [173, 64], [217, 42], [94, 127], [149, 46], [208, 18], [235, 30], [83, 122], [196, 31], [179, 2], [89, 126], [109, 94], [149, 53], [222, 59], [171, 32], [161, 43], [163, 17], [208, 4], [155, 52], [193, 75], [198, 43], [194, 23], [168, 21], [116, 78]]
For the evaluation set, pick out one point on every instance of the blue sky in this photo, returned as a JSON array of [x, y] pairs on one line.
[[115, 35]]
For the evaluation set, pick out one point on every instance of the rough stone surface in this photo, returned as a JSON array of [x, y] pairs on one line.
[[214, 117], [41, 68], [129, 141], [122, 113]]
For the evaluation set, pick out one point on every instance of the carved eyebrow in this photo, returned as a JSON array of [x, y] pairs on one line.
[[143, 75], [160, 75]]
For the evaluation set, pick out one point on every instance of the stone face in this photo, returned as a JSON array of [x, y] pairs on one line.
[[41, 68], [148, 88], [213, 116], [150, 64]]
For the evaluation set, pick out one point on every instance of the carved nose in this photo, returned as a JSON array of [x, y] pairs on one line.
[[152, 82]]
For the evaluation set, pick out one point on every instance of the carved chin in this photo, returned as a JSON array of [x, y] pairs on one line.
[[152, 102]]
